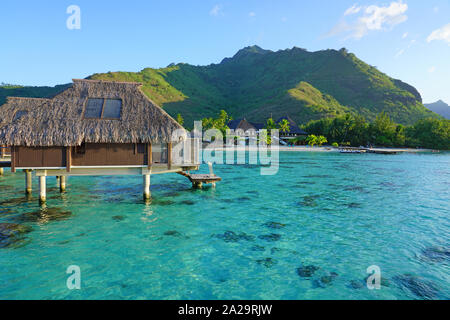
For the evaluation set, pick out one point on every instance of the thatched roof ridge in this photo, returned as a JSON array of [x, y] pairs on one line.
[[60, 121], [37, 100], [139, 84]]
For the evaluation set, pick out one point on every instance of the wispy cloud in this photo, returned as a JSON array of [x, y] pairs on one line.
[[402, 51], [442, 34], [216, 10], [352, 10], [399, 53], [252, 14], [405, 35], [432, 69], [370, 18]]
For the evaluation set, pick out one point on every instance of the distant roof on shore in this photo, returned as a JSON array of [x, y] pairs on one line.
[[293, 126], [244, 125]]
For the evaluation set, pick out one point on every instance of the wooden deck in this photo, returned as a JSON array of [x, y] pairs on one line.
[[199, 179]]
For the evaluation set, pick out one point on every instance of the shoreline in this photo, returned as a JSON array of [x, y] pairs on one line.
[[316, 149]]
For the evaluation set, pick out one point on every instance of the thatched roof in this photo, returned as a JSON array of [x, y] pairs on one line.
[[16, 107], [244, 125], [60, 121], [293, 126]]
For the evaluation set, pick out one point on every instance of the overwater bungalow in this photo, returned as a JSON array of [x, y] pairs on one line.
[[95, 128], [11, 112]]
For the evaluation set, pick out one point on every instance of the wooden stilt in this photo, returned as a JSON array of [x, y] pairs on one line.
[[147, 193], [1, 171], [149, 156], [62, 183], [197, 185], [169, 155], [68, 158], [28, 182], [42, 190], [13, 159]]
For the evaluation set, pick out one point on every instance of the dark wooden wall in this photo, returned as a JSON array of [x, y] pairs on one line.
[[108, 154], [90, 155], [40, 157]]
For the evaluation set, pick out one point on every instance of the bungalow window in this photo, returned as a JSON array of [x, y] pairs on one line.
[[19, 114], [97, 108], [93, 109], [112, 109]]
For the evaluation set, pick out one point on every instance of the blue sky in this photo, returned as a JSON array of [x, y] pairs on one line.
[[407, 39]]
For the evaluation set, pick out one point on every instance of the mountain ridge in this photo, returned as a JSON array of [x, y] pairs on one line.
[[439, 107], [256, 83]]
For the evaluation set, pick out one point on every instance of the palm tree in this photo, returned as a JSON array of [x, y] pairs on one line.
[[270, 124], [321, 140], [284, 126], [180, 119], [311, 140]]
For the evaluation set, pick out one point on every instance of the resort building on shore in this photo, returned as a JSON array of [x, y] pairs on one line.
[[95, 128], [248, 130], [294, 129]]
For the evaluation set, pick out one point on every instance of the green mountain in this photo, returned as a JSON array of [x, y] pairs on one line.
[[440, 107], [258, 83], [29, 92]]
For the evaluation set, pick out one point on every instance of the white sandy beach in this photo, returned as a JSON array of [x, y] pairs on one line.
[[309, 149]]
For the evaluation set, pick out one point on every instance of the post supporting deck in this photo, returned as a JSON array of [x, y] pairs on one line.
[[62, 183], [13, 159], [42, 190], [28, 182], [1, 171], [197, 185], [147, 193], [169, 155]]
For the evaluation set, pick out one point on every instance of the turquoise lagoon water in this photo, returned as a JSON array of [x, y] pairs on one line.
[[310, 232]]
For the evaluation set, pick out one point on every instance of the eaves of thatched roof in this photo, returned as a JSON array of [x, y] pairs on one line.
[[60, 121]]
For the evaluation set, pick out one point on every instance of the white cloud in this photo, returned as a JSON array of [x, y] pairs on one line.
[[432, 69], [440, 34], [216, 10], [436, 9], [399, 53], [405, 35], [352, 10], [252, 14], [371, 18]]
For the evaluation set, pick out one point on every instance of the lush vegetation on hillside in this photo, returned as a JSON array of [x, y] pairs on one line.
[[356, 131], [7, 90], [258, 83]]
